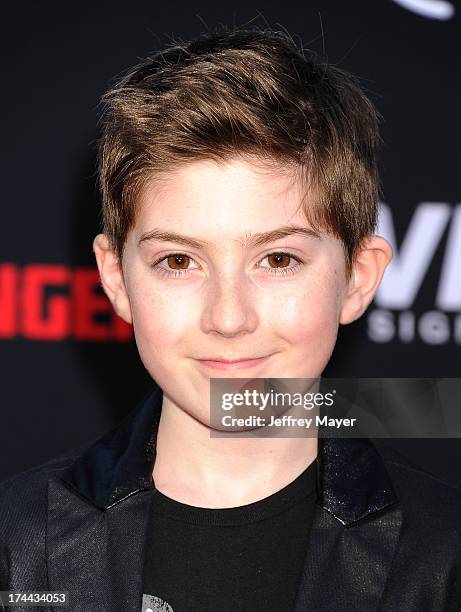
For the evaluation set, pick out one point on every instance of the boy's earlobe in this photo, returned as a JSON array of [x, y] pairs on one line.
[[368, 270], [111, 274]]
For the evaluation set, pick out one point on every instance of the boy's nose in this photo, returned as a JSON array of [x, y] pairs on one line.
[[230, 308]]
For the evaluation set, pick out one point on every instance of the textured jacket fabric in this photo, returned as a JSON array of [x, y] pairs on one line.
[[386, 535]]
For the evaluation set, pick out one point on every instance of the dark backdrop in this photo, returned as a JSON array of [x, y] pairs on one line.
[[70, 369]]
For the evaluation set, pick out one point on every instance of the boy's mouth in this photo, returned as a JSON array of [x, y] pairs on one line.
[[233, 364]]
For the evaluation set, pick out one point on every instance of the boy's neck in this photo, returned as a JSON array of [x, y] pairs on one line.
[[195, 469]]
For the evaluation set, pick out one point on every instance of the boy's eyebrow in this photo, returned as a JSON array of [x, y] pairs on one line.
[[247, 239]]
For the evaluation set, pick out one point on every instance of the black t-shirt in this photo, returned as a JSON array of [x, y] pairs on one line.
[[242, 559]]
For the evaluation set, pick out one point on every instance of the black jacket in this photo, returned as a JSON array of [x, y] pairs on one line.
[[385, 538]]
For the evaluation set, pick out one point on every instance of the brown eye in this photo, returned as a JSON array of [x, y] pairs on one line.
[[178, 262], [279, 264], [281, 260]]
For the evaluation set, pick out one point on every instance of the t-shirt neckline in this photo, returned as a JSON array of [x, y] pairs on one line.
[[301, 487]]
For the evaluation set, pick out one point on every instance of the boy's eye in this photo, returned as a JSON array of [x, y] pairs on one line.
[[280, 260], [181, 261], [177, 264]]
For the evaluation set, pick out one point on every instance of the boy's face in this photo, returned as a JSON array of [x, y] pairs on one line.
[[282, 300]]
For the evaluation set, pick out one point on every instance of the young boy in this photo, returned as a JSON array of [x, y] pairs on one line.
[[239, 198]]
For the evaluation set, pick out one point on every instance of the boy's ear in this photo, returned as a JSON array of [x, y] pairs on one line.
[[367, 272], [110, 271]]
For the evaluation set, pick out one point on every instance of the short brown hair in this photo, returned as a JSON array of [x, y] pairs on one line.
[[251, 93]]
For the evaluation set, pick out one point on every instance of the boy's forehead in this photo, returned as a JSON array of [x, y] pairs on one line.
[[230, 192], [245, 168]]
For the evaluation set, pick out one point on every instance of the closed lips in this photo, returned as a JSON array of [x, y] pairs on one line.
[[221, 360]]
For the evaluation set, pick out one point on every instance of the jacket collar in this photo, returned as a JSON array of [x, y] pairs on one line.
[[352, 479]]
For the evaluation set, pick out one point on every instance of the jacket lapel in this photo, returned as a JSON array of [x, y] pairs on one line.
[[95, 555], [98, 513], [355, 531]]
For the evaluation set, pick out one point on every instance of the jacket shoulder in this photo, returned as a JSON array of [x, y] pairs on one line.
[[423, 496], [23, 497], [23, 524]]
